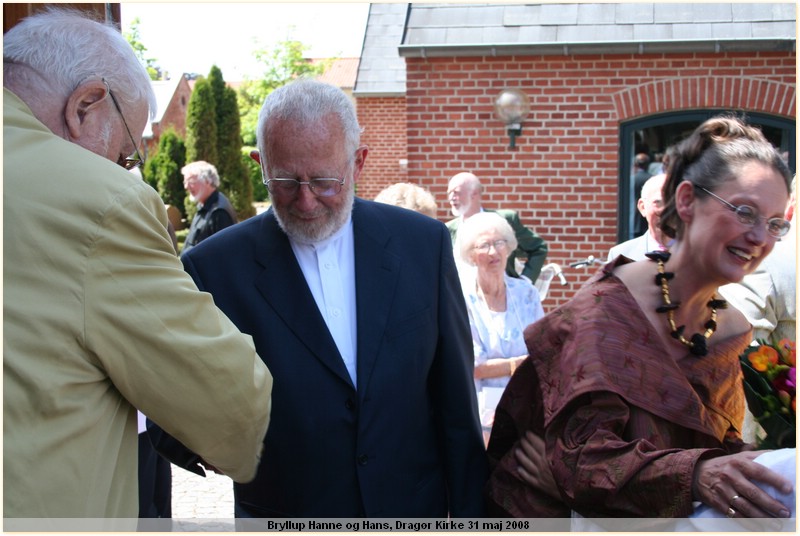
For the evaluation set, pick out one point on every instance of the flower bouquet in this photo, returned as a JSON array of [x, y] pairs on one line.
[[769, 386]]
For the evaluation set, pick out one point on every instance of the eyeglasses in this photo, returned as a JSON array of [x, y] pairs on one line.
[[746, 214], [127, 163], [486, 246], [319, 187]]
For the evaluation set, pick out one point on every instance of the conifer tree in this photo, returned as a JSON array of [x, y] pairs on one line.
[[234, 180], [201, 131], [201, 124], [163, 170]]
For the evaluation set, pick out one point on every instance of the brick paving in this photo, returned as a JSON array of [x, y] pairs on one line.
[[201, 504]]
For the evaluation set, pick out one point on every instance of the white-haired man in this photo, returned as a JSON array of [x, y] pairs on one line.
[[214, 211], [464, 192], [649, 205], [99, 317]]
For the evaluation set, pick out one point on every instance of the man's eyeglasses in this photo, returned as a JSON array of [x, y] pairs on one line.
[[746, 214], [128, 163], [486, 246], [319, 187]]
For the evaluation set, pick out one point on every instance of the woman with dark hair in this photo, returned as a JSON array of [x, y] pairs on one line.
[[635, 384]]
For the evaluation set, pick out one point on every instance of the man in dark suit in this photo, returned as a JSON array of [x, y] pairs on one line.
[[356, 309], [464, 195]]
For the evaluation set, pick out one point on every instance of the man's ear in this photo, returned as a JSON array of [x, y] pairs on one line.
[[85, 100], [255, 155], [640, 204], [360, 158]]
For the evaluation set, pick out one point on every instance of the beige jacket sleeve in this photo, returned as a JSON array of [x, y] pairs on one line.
[[165, 345]]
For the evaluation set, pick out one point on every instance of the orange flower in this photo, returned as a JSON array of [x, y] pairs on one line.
[[763, 358]]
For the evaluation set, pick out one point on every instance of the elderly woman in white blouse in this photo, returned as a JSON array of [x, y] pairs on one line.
[[500, 307]]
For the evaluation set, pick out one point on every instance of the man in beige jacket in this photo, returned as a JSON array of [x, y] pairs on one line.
[[99, 317]]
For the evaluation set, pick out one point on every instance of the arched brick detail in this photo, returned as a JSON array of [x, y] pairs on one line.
[[729, 92]]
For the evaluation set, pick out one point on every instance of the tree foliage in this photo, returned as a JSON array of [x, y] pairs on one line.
[[282, 64], [133, 37], [213, 134], [163, 170], [234, 180], [201, 123]]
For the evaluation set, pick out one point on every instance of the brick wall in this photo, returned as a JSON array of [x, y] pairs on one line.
[[174, 116], [386, 138], [563, 178]]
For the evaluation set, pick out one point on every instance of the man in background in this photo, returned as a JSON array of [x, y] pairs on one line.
[[649, 205], [214, 211], [641, 165], [99, 317], [464, 194]]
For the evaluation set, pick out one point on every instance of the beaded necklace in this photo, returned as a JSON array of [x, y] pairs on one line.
[[698, 343]]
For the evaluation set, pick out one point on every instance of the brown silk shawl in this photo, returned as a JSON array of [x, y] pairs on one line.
[[601, 341]]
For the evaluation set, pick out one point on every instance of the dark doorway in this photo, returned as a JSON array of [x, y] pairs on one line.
[[653, 135]]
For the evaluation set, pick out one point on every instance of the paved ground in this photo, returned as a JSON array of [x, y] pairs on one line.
[[195, 499]]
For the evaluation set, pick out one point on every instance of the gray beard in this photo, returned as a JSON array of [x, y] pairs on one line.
[[305, 233]]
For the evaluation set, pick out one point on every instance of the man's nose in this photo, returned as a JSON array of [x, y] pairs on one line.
[[305, 197]]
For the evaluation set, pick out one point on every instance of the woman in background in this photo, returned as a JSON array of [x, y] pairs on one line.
[[500, 307]]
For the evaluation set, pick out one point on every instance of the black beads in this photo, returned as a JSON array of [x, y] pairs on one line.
[[698, 344], [657, 255], [698, 347], [717, 304]]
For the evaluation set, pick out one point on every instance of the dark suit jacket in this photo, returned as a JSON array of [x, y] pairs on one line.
[[407, 442], [529, 245], [216, 214]]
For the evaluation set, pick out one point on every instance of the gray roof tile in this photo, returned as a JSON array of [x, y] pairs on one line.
[[693, 12], [382, 71], [764, 12], [736, 30], [768, 30], [559, 14], [652, 32], [633, 13], [596, 14]]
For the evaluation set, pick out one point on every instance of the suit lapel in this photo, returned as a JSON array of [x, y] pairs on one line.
[[284, 288], [377, 273]]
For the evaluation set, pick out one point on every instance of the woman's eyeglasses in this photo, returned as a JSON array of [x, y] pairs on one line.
[[746, 214], [496, 244]]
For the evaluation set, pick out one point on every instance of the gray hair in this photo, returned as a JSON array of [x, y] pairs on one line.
[[202, 171], [308, 101], [481, 222], [66, 47]]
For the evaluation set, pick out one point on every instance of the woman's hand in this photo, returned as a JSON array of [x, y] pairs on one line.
[[727, 485], [533, 467]]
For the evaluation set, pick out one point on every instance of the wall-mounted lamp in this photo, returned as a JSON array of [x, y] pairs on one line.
[[511, 107]]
